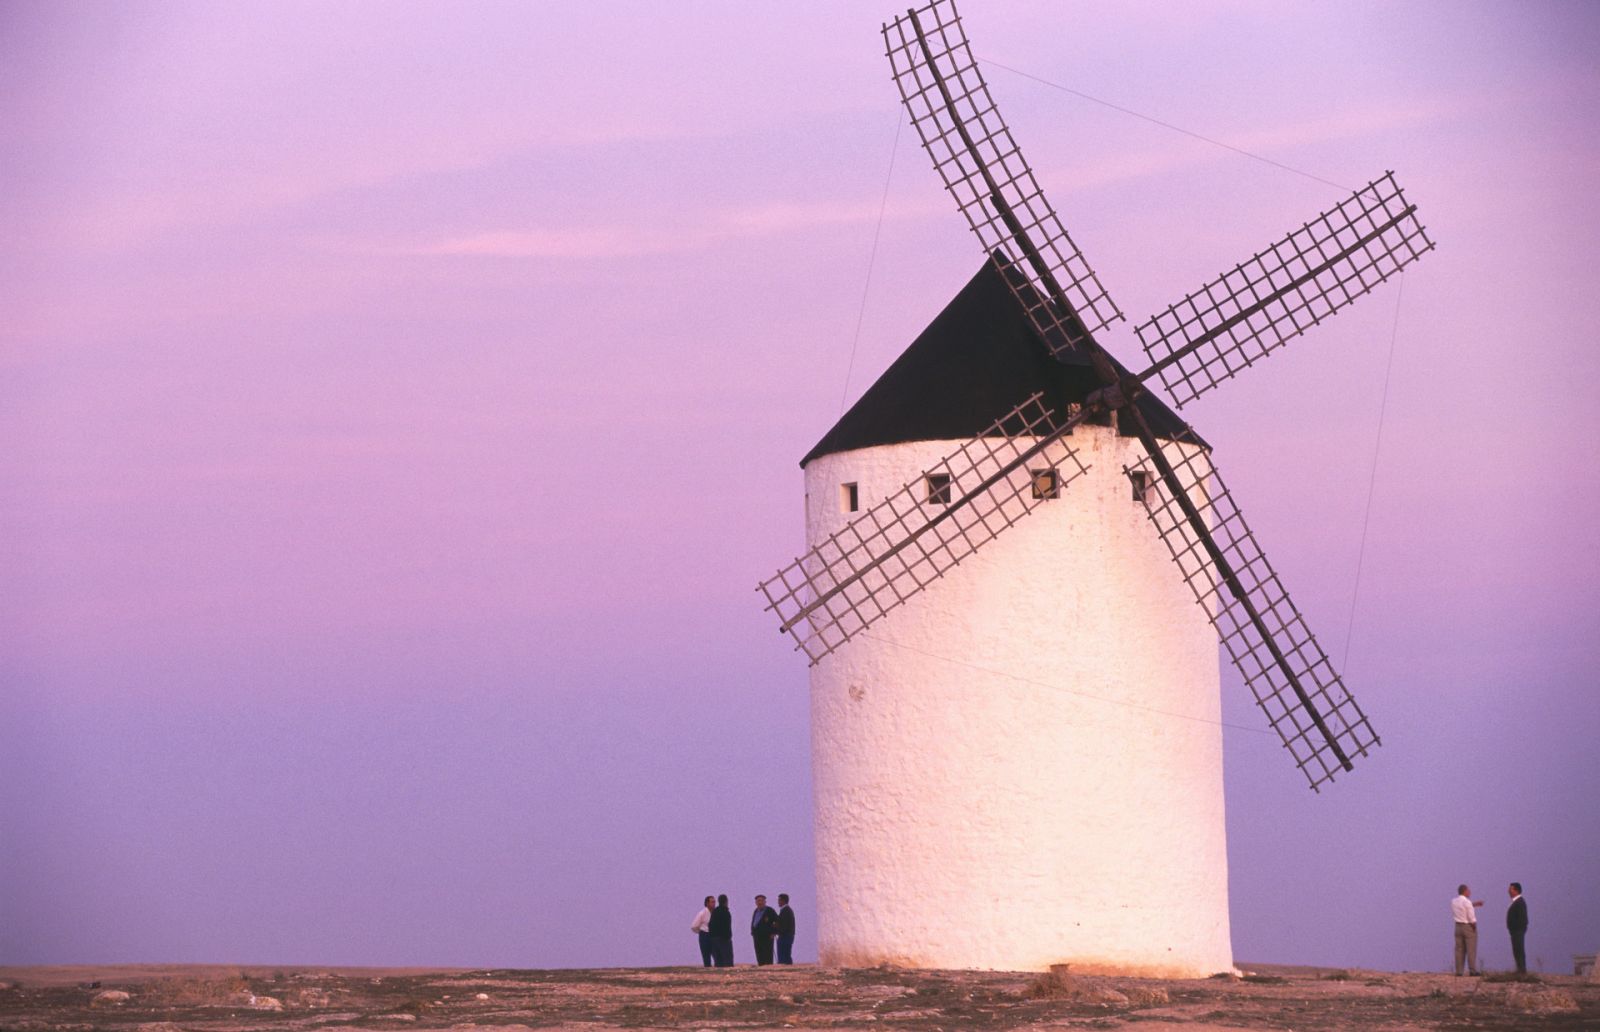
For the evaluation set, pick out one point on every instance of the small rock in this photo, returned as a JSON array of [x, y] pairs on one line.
[[1059, 983], [1540, 1000], [402, 1017], [880, 992], [1147, 996], [109, 998], [313, 998], [266, 1003], [481, 996]]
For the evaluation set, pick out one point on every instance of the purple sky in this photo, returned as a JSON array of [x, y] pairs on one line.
[[398, 405]]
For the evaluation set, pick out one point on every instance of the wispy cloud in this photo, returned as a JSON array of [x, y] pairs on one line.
[[1345, 125], [637, 239], [778, 217], [563, 242]]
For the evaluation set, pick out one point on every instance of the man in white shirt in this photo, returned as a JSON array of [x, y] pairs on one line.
[[702, 928], [1463, 909]]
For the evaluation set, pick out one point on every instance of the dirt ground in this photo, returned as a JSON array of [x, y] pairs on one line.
[[215, 998]]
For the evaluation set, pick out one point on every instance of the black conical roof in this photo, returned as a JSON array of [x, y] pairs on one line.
[[979, 359]]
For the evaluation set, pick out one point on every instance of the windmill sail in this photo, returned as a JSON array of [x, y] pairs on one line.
[[1260, 305], [1263, 632], [982, 167], [895, 549]]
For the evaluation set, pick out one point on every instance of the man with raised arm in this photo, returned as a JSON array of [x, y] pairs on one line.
[[1463, 909]]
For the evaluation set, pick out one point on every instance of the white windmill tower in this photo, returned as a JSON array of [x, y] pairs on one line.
[[1022, 764]]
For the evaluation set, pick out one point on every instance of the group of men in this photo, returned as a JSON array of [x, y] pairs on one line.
[[1464, 909], [768, 927]]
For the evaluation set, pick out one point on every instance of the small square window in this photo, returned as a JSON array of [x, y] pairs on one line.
[[1046, 483], [938, 488], [1141, 484], [849, 498]]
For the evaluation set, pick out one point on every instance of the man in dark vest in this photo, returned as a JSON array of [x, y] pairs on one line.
[[1517, 925], [785, 930], [722, 934], [763, 926]]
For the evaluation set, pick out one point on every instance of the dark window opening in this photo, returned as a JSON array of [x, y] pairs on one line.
[[1046, 483], [849, 498], [1141, 484], [938, 488]]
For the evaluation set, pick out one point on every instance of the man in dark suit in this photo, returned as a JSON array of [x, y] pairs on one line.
[[763, 926], [722, 934], [785, 930], [1517, 925]]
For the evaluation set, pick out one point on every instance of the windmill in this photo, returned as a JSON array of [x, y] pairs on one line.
[[1018, 762]]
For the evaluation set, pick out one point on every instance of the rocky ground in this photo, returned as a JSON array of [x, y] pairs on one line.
[[229, 999]]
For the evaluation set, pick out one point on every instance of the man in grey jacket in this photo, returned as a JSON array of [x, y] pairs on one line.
[[763, 926]]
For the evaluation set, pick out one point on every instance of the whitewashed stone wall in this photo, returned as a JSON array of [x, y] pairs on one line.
[[1022, 766]]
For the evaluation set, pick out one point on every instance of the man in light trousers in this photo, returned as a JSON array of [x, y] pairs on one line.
[[1463, 909]]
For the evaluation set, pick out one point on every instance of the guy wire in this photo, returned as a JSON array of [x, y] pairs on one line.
[[1164, 125], [1372, 477], [872, 258]]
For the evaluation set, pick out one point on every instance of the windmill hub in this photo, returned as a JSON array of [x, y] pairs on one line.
[[1114, 395]]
